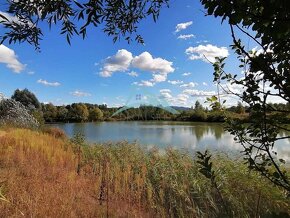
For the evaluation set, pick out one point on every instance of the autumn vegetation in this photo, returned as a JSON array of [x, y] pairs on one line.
[[86, 112], [45, 174]]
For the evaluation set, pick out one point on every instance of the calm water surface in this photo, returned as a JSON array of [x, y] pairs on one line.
[[188, 135]]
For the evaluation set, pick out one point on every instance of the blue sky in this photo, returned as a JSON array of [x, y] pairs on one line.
[[96, 70]]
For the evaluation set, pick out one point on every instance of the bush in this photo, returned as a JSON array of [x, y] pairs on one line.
[[13, 113], [198, 116], [216, 116], [55, 132]]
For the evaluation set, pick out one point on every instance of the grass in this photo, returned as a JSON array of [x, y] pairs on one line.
[[43, 174]]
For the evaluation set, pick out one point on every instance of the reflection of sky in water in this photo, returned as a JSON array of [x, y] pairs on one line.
[[190, 136]]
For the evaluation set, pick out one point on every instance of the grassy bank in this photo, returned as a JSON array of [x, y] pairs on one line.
[[47, 175]]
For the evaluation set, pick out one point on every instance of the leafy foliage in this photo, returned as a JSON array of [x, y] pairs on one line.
[[266, 77], [27, 98], [117, 18]]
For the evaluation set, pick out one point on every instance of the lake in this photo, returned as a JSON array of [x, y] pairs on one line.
[[181, 135]]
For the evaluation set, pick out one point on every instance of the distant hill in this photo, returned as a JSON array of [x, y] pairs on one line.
[[180, 108]]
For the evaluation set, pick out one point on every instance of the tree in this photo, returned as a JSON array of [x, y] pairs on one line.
[[240, 109], [95, 114], [62, 114], [78, 112], [198, 106], [116, 17], [27, 98], [267, 76], [49, 112]]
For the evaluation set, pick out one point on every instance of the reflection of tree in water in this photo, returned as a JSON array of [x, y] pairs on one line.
[[284, 133], [218, 131], [199, 131], [78, 128]]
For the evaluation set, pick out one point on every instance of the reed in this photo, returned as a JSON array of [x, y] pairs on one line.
[[43, 175]]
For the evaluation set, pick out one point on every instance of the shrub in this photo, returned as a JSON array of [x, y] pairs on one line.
[[198, 116], [55, 132], [13, 113], [216, 116]]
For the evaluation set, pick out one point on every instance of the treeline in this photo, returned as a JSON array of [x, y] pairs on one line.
[[85, 112]]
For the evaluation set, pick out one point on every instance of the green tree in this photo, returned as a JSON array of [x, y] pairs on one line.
[[62, 114], [198, 106], [266, 76], [78, 112], [49, 112], [27, 98], [95, 114], [116, 18]]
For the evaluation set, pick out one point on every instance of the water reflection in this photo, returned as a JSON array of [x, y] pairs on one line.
[[180, 135]]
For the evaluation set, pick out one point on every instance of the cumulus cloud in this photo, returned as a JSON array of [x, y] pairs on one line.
[[165, 94], [120, 62], [186, 74], [78, 93], [124, 59], [206, 52], [204, 83], [157, 78], [182, 26], [175, 82], [8, 57], [180, 99], [186, 36], [46, 83], [133, 74], [144, 83], [189, 85], [195, 92], [158, 66], [146, 62]]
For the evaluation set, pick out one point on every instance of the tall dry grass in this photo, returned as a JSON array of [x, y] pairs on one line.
[[39, 177]]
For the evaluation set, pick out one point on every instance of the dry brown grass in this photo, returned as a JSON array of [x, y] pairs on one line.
[[38, 178]]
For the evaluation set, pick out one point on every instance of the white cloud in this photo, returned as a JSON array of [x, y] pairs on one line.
[[175, 82], [8, 57], [78, 93], [206, 52], [204, 83], [124, 59], [186, 36], [182, 99], [133, 74], [189, 85], [120, 62], [158, 66], [201, 41], [30, 72], [165, 94], [46, 83], [157, 78], [144, 83], [164, 90], [195, 92], [186, 74], [182, 26], [146, 62]]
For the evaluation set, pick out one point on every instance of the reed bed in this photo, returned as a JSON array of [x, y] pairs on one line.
[[43, 175]]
